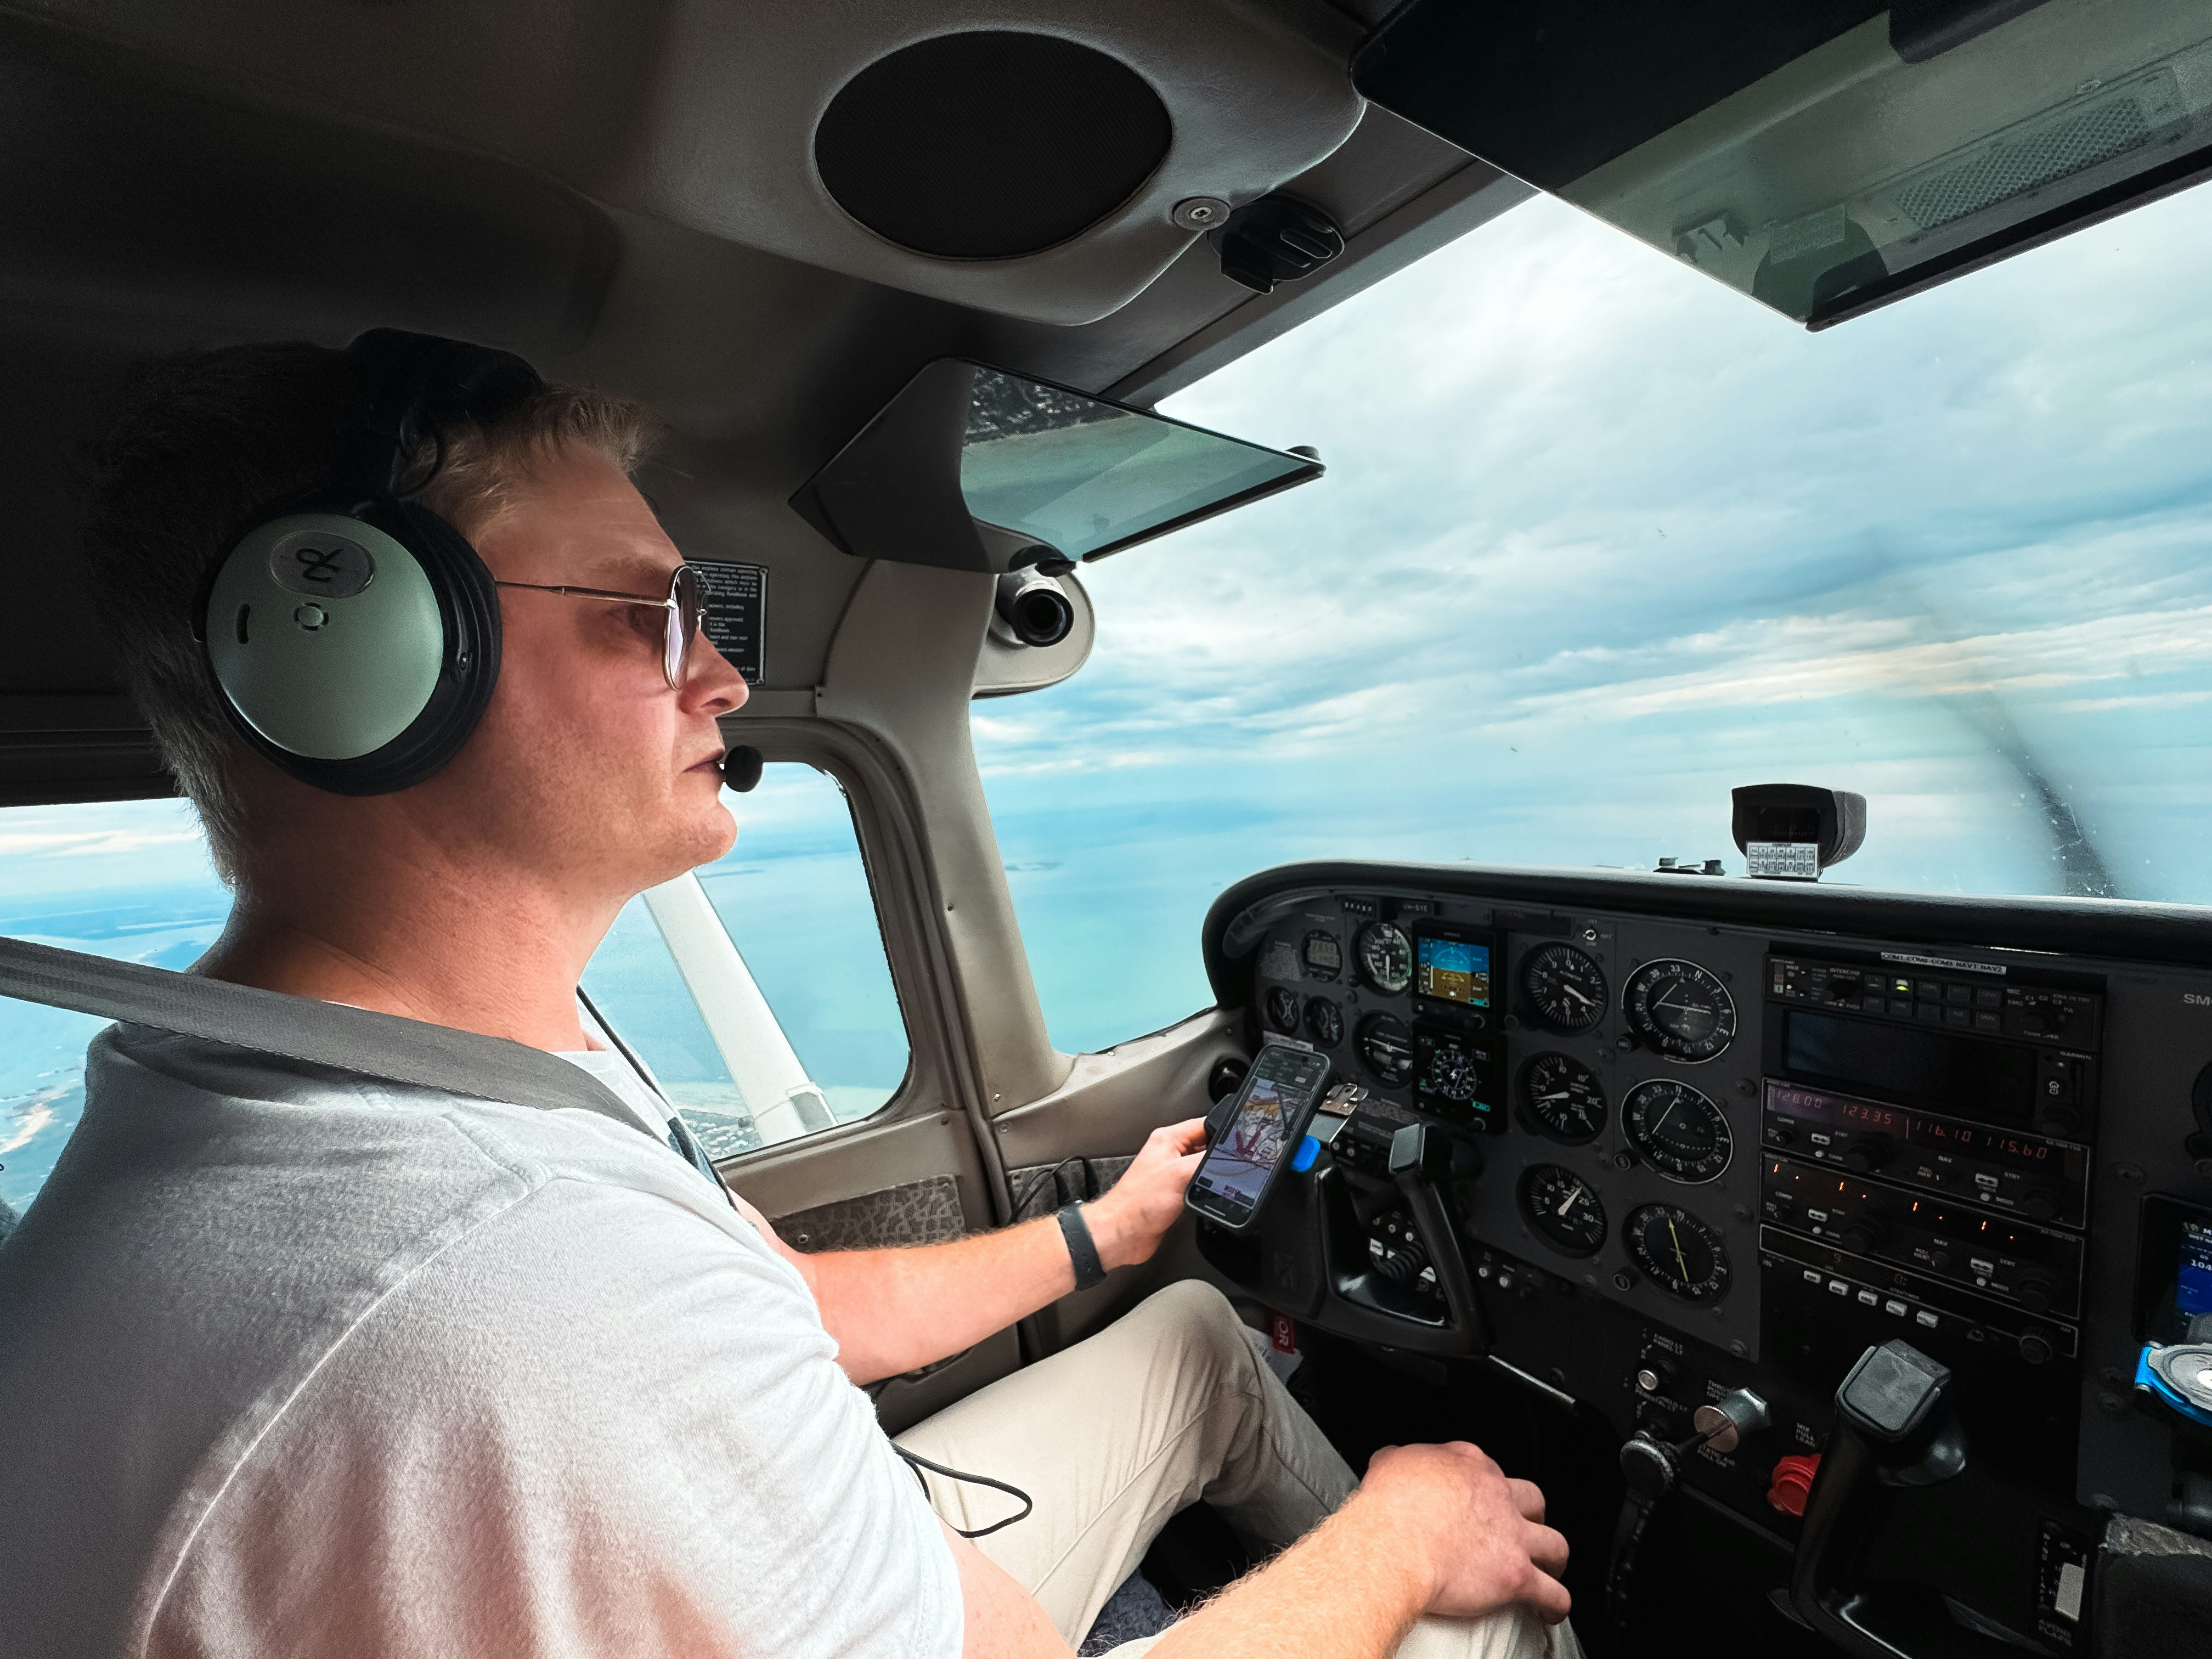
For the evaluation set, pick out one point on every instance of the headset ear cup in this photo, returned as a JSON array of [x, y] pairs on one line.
[[343, 686]]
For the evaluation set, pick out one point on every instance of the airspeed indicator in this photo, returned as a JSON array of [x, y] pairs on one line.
[[1386, 956]]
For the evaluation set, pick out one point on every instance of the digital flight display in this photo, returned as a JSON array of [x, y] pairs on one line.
[[1452, 970]]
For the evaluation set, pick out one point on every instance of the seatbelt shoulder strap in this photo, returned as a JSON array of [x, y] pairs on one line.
[[385, 1045]]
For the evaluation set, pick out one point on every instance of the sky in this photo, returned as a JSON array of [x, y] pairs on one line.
[[1599, 540]]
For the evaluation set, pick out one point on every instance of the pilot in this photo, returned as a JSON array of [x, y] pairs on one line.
[[296, 1362]]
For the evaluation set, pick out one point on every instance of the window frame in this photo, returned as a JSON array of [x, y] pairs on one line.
[[941, 1075]]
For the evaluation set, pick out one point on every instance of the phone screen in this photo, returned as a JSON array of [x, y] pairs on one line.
[[2193, 1285], [1234, 1174]]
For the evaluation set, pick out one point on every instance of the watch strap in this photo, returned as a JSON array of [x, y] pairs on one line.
[[1081, 1250]]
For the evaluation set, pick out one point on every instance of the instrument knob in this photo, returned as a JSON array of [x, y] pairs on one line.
[[1869, 1153], [2037, 1295], [2039, 1204], [1863, 1236]]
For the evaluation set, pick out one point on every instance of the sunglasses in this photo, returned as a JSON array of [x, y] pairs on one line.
[[686, 604]]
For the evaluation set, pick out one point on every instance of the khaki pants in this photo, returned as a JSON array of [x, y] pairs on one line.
[[1169, 1406]]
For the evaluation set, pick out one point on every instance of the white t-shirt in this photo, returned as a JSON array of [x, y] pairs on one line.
[[295, 1362]]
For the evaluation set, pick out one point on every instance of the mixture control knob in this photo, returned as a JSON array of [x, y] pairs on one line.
[[1869, 1153], [1791, 1482]]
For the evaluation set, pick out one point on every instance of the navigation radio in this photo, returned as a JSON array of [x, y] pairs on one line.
[[1926, 1122]]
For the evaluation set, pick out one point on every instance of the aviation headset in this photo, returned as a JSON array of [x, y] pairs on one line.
[[352, 635]]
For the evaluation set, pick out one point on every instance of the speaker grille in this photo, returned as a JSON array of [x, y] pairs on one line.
[[989, 145]]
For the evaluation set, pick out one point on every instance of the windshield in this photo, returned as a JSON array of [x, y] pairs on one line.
[[1598, 541]]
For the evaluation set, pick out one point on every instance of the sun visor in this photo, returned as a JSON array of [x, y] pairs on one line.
[[973, 468], [1827, 157]]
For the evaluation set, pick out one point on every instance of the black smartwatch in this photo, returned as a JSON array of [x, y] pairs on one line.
[[1088, 1269]]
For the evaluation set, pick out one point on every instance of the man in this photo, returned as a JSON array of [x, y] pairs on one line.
[[308, 1364]]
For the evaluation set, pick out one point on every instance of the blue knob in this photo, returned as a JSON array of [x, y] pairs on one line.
[[1302, 1159]]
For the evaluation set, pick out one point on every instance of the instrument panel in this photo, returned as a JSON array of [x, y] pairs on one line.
[[1708, 1134]]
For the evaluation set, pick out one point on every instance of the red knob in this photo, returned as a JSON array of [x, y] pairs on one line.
[[1793, 1480]]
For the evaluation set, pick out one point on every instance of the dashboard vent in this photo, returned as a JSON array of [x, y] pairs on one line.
[[989, 145]]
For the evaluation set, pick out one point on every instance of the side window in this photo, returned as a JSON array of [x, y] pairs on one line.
[[757, 989], [116, 879]]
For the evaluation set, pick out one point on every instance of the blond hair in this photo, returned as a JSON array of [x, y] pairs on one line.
[[203, 442]]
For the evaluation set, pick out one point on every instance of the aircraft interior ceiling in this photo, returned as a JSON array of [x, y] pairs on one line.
[[560, 181], [1658, 1155]]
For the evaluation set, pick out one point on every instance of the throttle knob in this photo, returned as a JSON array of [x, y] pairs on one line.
[[1791, 1482]]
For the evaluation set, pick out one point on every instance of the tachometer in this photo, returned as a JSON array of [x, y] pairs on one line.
[[1564, 1209], [1282, 1009], [1677, 1252], [1563, 1097], [1386, 1043], [1565, 986], [1681, 1009], [1324, 1023], [1386, 956], [1680, 1132]]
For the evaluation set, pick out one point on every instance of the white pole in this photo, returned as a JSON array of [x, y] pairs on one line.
[[771, 1079]]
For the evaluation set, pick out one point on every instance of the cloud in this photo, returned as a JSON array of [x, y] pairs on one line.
[[1600, 538]]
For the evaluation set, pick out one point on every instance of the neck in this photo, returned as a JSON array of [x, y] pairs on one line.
[[408, 936]]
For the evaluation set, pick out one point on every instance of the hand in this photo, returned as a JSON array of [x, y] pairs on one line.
[[1128, 1223], [1480, 1534]]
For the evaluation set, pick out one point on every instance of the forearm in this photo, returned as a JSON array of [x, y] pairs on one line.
[[895, 1311], [1349, 1589]]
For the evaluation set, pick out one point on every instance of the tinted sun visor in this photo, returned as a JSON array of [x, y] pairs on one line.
[[1824, 157], [973, 468]]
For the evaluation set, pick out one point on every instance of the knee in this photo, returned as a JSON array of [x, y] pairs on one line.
[[1191, 1314]]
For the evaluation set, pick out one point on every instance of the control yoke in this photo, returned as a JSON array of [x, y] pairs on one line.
[[1894, 1428], [1420, 1163]]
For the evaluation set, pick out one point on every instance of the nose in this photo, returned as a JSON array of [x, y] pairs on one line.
[[712, 684]]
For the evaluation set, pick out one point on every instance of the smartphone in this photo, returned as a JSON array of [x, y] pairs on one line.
[[1273, 1105]]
